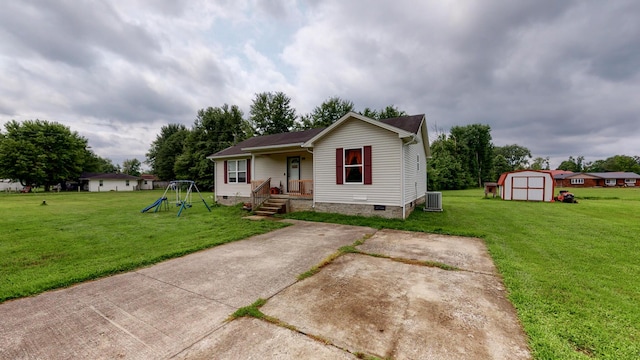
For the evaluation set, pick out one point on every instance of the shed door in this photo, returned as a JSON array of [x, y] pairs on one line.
[[527, 188]]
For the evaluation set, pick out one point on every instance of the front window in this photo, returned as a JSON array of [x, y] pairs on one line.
[[610, 182], [353, 166], [237, 171], [101, 183], [127, 182], [577, 181], [629, 181]]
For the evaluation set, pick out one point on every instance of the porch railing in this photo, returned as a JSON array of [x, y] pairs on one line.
[[300, 188], [260, 192]]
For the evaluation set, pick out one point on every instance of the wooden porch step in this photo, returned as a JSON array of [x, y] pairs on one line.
[[270, 208]]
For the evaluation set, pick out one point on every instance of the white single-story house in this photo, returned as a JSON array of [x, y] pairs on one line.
[[147, 181], [527, 185], [356, 166], [10, 185], [96, 182]]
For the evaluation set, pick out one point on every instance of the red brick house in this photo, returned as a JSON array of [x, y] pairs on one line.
[[601, 179]]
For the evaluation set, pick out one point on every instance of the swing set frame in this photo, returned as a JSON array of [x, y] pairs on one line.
[[183, 196]]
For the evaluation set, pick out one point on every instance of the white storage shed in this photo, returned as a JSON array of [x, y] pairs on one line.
[[527, 185]]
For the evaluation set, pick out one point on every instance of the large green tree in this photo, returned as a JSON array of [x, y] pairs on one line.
[[517, 156], [213, 130], [540, 163], [445, 170], [572, 164], [327, 113], [391, 111], [96, 164], [132, 167], [167, 146], [474, 148], [621, 163], [39, 152], [271, 113]]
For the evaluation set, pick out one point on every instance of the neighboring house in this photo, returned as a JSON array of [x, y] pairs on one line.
[[147, 181], [108, 182], [8, 185], [358, 166], [599, 179]]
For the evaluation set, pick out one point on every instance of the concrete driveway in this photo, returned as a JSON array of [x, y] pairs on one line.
[[358, 305]]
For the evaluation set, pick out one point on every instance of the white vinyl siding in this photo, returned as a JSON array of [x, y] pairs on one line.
[[386, 167], [109, 185], [415, 166], [229, 189]]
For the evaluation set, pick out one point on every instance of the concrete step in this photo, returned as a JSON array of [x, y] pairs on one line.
[[265, 213]]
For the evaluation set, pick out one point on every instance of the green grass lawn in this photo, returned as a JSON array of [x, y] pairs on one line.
[[82, 236], [572, 270]]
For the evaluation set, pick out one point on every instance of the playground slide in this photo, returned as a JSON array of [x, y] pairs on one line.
[[157, 203]]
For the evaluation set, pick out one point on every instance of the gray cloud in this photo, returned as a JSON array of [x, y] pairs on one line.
[[560, 77]]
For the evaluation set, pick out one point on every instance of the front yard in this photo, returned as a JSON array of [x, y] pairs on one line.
[[571, 269], [82, 236]]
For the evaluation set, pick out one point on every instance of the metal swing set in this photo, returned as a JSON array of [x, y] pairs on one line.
[[183, 195]]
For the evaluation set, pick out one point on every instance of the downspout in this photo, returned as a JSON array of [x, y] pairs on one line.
[[402, 174], [313, 166], [215, 183]]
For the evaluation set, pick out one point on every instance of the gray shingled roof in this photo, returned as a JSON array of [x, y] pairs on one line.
[[288, 138], [107, 176], [406, 123]]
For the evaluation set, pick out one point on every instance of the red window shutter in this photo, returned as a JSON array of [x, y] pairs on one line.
[[367, 166], [248, 171], [225, 171], [339, 166]]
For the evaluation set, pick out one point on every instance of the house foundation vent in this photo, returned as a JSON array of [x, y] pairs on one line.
[[434, 201]]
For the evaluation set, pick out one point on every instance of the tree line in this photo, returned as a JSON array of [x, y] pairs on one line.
[[179, 152], [466, 158], [42, 153]]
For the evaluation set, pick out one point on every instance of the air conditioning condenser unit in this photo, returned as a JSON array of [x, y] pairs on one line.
[[433, 201]]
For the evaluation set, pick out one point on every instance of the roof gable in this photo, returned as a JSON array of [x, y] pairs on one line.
[[409, 125]]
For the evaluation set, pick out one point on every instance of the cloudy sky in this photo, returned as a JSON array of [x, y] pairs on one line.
[[559, 77]]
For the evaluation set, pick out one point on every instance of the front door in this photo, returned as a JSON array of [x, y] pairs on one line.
[[293, 172]]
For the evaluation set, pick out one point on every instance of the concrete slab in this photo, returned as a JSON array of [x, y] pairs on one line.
[[389, 309], [249, 338], [123, 316], [161, 310], [239, 273], [462, 252], [358, 303]]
